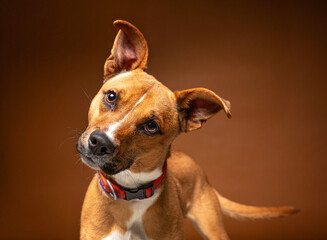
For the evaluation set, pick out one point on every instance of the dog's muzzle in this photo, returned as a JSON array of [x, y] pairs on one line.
[[99, 152], [100, 145]]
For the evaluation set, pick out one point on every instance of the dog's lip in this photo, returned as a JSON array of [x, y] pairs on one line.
[[88, 158], [83, 152], [79, 148], [96, 165], [107, 168]]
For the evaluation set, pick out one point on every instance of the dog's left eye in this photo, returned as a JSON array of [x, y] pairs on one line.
[[151, 128], [111, 96]]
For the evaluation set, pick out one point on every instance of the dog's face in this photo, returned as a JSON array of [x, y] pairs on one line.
[[134, 118], [132, 122]]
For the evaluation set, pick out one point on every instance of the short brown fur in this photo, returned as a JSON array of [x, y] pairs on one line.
[[185, 192]]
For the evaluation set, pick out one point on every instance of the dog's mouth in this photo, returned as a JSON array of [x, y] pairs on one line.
[[89, 162], [108, 164]]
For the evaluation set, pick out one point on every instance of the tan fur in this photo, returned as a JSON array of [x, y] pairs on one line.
[[185, 192], [245, 212]]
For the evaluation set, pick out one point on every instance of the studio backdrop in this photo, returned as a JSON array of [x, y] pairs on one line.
[[268, 58]]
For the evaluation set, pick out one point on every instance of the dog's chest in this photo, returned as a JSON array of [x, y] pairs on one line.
[[135, 229]]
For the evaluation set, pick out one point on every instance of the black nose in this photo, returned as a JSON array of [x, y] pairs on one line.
[[100, 144]]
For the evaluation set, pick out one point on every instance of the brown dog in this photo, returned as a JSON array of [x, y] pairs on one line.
[[142, 189]]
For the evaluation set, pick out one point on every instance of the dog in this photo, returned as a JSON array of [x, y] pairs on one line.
[[142, 189]]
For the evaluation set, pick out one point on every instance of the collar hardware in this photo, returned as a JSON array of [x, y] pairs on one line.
[[113, 193], [139, 193]]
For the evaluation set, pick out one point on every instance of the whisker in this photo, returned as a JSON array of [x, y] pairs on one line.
[[66, 140], [86, 94], [78, 161], [75, 130]]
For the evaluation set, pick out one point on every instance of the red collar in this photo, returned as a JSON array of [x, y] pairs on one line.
[[142, 192]]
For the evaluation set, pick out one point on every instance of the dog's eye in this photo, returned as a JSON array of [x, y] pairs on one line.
[[151, 128], [111, 96]]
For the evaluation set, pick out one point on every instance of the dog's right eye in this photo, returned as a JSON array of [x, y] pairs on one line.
[[151, 128]]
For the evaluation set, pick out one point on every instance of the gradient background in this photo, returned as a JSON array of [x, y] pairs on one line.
[[267, 57]]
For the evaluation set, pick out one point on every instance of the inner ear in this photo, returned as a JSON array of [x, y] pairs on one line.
[[125, 52], [197, 105], [201, 108], [129, 51]]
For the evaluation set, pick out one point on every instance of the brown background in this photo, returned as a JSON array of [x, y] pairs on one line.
[[267, 57]]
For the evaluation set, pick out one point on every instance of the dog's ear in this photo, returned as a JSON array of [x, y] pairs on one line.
[[197, 105], [130, 50]]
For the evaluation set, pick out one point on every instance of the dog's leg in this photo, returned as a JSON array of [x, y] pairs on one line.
[[205, 213]]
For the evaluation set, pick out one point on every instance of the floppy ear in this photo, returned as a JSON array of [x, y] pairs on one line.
[[197, 105], [130, 50]]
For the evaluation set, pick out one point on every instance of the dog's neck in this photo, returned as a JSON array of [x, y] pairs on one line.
[[130, 179]]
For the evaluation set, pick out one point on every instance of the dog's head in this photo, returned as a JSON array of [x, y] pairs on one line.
[[133, 119]]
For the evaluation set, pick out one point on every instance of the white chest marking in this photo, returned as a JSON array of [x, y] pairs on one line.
[[132, 180], [135, 228], [114, 236], [113, 128]]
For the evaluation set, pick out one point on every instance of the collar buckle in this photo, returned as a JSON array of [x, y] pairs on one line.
[[138, 193]]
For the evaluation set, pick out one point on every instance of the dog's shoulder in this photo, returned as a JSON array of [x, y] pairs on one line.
[[186, 176], [181, 163], [184, 169]]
